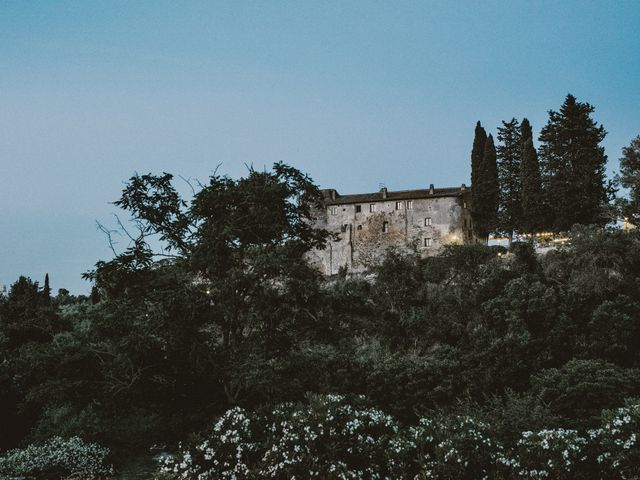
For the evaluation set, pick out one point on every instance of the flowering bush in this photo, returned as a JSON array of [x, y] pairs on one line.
[[457, 447], [331, 438], [548, 454], [58, 458], [328, 438], [617, 442], [226, 453]]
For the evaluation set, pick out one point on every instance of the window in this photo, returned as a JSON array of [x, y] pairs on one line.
[[465, 223], [427, 242], [344, 228], [359, 227], [358, 208], [385, 227], [427, 222], [334, 210], [399, 205], [409, 204], [464, 205], [372, 207]]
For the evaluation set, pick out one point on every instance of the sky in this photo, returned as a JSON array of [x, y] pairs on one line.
[[355, 93]]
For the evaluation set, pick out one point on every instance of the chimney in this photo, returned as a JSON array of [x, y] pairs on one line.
[[463, 187], [431, 190], [329, 193], [383, 190]]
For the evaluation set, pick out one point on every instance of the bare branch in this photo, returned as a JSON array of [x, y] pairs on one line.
[[138, 225], [215, 170], [188, 182], [109, 234]]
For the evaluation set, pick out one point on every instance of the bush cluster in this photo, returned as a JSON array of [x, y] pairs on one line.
[[330, 437]]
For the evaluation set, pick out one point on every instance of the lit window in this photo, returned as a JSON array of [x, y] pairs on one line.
[[427, 242], [427, 222], [334, 210], [358, 208], [372, 207], [385, 227], [409, 204], [399, 205]]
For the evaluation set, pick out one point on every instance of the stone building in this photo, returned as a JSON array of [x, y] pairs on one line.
[[368, 224]]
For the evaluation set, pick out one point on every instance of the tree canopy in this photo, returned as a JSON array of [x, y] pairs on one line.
[[573, 165]]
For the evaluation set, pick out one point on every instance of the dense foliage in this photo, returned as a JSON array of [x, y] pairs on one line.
[[58, 458], [213, 309], [330, 437]]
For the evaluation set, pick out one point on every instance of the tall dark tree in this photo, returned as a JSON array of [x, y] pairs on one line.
[[533, 212], [486, 192], [629, 178], [46, 290], [573, 166], [243, 245], [509, 151], [477, 153]]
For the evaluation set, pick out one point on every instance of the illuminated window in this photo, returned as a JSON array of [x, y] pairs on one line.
[[372, 207], [399, 205], [409, 204], [427, 242], [334, 210], [427, 222], [385, 227]]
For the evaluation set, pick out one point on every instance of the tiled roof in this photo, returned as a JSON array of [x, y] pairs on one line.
[[391, 196]]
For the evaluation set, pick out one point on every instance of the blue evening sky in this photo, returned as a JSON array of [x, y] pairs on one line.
[[356, 93]]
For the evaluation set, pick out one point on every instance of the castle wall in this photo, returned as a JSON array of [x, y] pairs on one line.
[[423, 225]]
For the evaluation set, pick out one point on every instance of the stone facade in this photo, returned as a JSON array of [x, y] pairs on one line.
[[367, 225]]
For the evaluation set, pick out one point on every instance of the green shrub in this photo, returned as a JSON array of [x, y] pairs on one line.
[[455, 447], [328, 438], [57, 458], [549, 454], [618, 443], [331, 438]]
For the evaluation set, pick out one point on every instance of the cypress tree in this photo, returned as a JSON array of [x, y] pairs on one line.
[[477, 153], [573, 166], [486, 191], [479, 139], [532, 219], [46, 290], [509, 152]]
